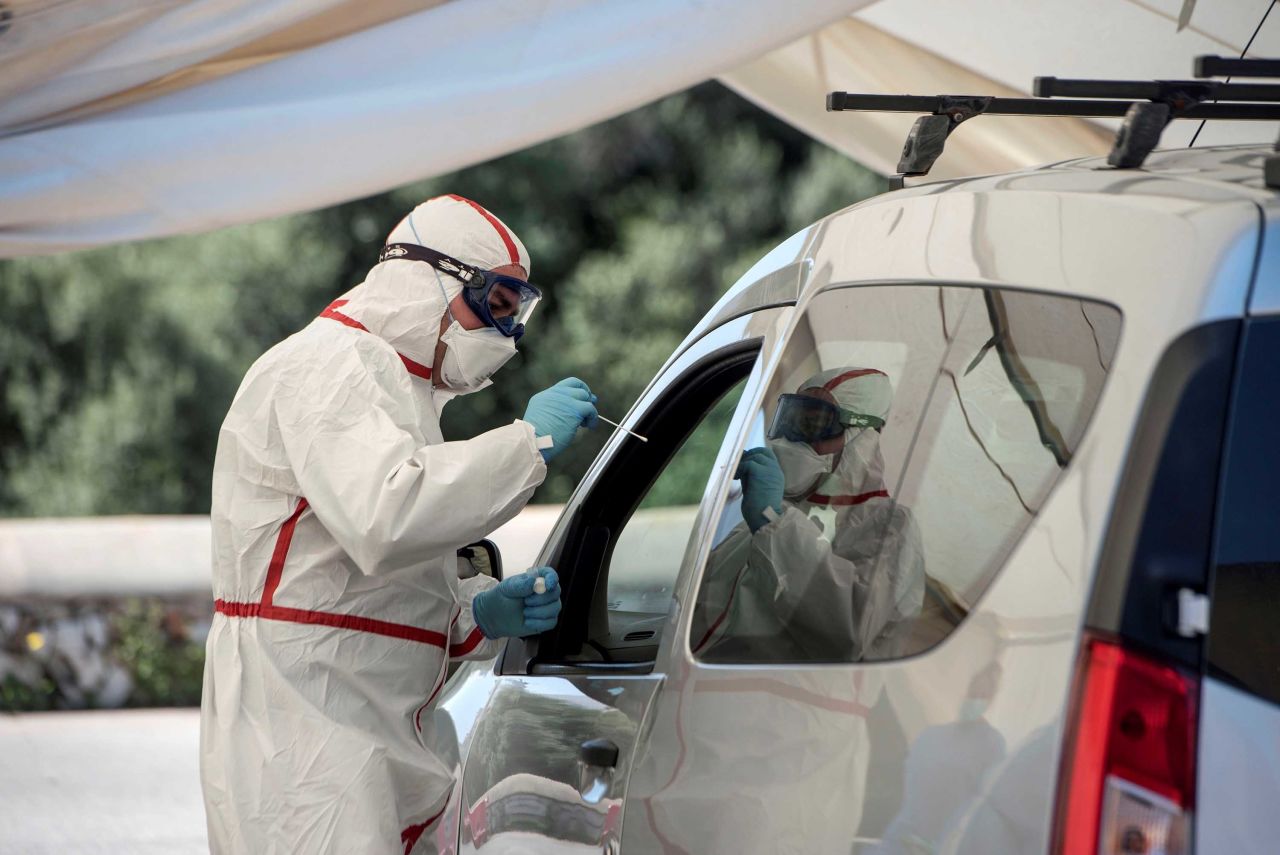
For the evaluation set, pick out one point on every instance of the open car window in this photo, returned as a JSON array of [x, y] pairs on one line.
[[645, 560], [626, 535]]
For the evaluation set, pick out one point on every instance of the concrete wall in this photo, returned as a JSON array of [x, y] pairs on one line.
[[163, 555]]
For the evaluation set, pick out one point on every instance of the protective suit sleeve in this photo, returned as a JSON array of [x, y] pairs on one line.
[[349, 426], [466, 641], [725, 567], [835, 608]]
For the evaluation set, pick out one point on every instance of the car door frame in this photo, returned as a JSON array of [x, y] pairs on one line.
[[625, 687]]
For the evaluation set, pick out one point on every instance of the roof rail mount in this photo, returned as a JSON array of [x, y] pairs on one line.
[[1146, 106]]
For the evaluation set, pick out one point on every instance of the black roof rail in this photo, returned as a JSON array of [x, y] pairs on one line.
[[1226, 66], [1229, 66], [1155, 90], [1146, 106]]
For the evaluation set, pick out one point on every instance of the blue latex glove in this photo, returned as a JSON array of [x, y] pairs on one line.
[[511, 609], [762, 484], [558, 412]]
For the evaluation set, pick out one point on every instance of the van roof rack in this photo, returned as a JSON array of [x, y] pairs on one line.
[[1147, 107]]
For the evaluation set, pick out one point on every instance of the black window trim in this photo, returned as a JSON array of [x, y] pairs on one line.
[[583, 553], [1242, 649], [1160, 525]]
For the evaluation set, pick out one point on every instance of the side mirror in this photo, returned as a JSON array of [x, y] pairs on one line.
[[480, 558]]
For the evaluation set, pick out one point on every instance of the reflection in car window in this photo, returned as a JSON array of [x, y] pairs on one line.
[[646, 559], [908, 438]]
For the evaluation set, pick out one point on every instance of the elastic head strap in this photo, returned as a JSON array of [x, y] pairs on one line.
[[468, 274], [860, 420]]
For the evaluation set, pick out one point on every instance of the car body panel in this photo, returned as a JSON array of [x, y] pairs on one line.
[[743, 756], [1239, 772], [1265, 299], [519, 733], [816, 757]]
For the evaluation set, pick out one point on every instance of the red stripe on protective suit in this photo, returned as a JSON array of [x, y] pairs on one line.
[[355, 623], [440, 677], [267, 610], [278, 555], [711, 630], [417, 369], [409, 837], [820, 499], [471, 642], [770, 686], [831, 384], [497, 226]]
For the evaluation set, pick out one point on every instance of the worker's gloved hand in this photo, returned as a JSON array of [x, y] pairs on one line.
[[558, 412], [511, 609], [762, 485]]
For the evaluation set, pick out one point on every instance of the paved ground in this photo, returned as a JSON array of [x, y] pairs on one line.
[[101, 782]]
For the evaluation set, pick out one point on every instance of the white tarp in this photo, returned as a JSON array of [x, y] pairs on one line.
[[125, 119], [422, 94]]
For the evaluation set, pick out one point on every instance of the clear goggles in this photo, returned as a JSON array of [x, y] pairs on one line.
[[502, 302], [804, 418]]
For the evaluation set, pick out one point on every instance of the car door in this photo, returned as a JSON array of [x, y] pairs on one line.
[[620, 549], [779, 728]]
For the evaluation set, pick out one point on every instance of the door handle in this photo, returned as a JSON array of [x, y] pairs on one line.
[[597, 759]]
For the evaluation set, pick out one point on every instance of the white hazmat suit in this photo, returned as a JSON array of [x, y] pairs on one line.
[[838, 573], [337, 512]]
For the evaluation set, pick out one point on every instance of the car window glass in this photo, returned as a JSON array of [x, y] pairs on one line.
[[1244, 647], [955, 411], [646, 558]]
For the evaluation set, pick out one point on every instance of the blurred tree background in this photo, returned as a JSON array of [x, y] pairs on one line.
[[118, 364]]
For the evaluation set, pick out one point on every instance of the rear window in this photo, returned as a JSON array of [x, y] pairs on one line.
[[1244, 644]]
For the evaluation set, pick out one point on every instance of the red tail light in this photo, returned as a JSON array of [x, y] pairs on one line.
[[1128, 772]]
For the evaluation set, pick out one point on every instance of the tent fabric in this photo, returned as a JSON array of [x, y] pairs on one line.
[[419, 95], [997, 47], [129, 119], [854, 56], [65, 58]]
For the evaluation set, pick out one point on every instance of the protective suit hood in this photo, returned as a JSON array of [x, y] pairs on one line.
[[402, 302], [860, 470], [839, 575]]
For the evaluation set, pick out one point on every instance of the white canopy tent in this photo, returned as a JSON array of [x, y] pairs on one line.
[[127, 119]]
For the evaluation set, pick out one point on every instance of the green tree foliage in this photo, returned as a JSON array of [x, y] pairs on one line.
[[117, 365], [166, 670]]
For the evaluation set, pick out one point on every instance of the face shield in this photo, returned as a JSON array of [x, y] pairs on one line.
[[804, 418], [504, 303]]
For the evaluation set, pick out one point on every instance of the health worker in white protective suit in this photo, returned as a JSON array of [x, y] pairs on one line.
[[337, 514], [826, 566]]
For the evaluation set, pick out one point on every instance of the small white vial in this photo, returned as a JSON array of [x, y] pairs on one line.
[[540, 585]]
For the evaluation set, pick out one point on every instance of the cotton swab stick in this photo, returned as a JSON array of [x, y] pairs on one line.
[[621, 428]]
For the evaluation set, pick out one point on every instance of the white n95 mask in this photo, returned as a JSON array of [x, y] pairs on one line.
[[473, 356], [802, 467]]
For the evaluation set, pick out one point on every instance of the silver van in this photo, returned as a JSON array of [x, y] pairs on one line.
[[1084, 655]]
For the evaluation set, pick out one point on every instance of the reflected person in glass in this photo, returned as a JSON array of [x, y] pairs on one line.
[[825, 566]]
